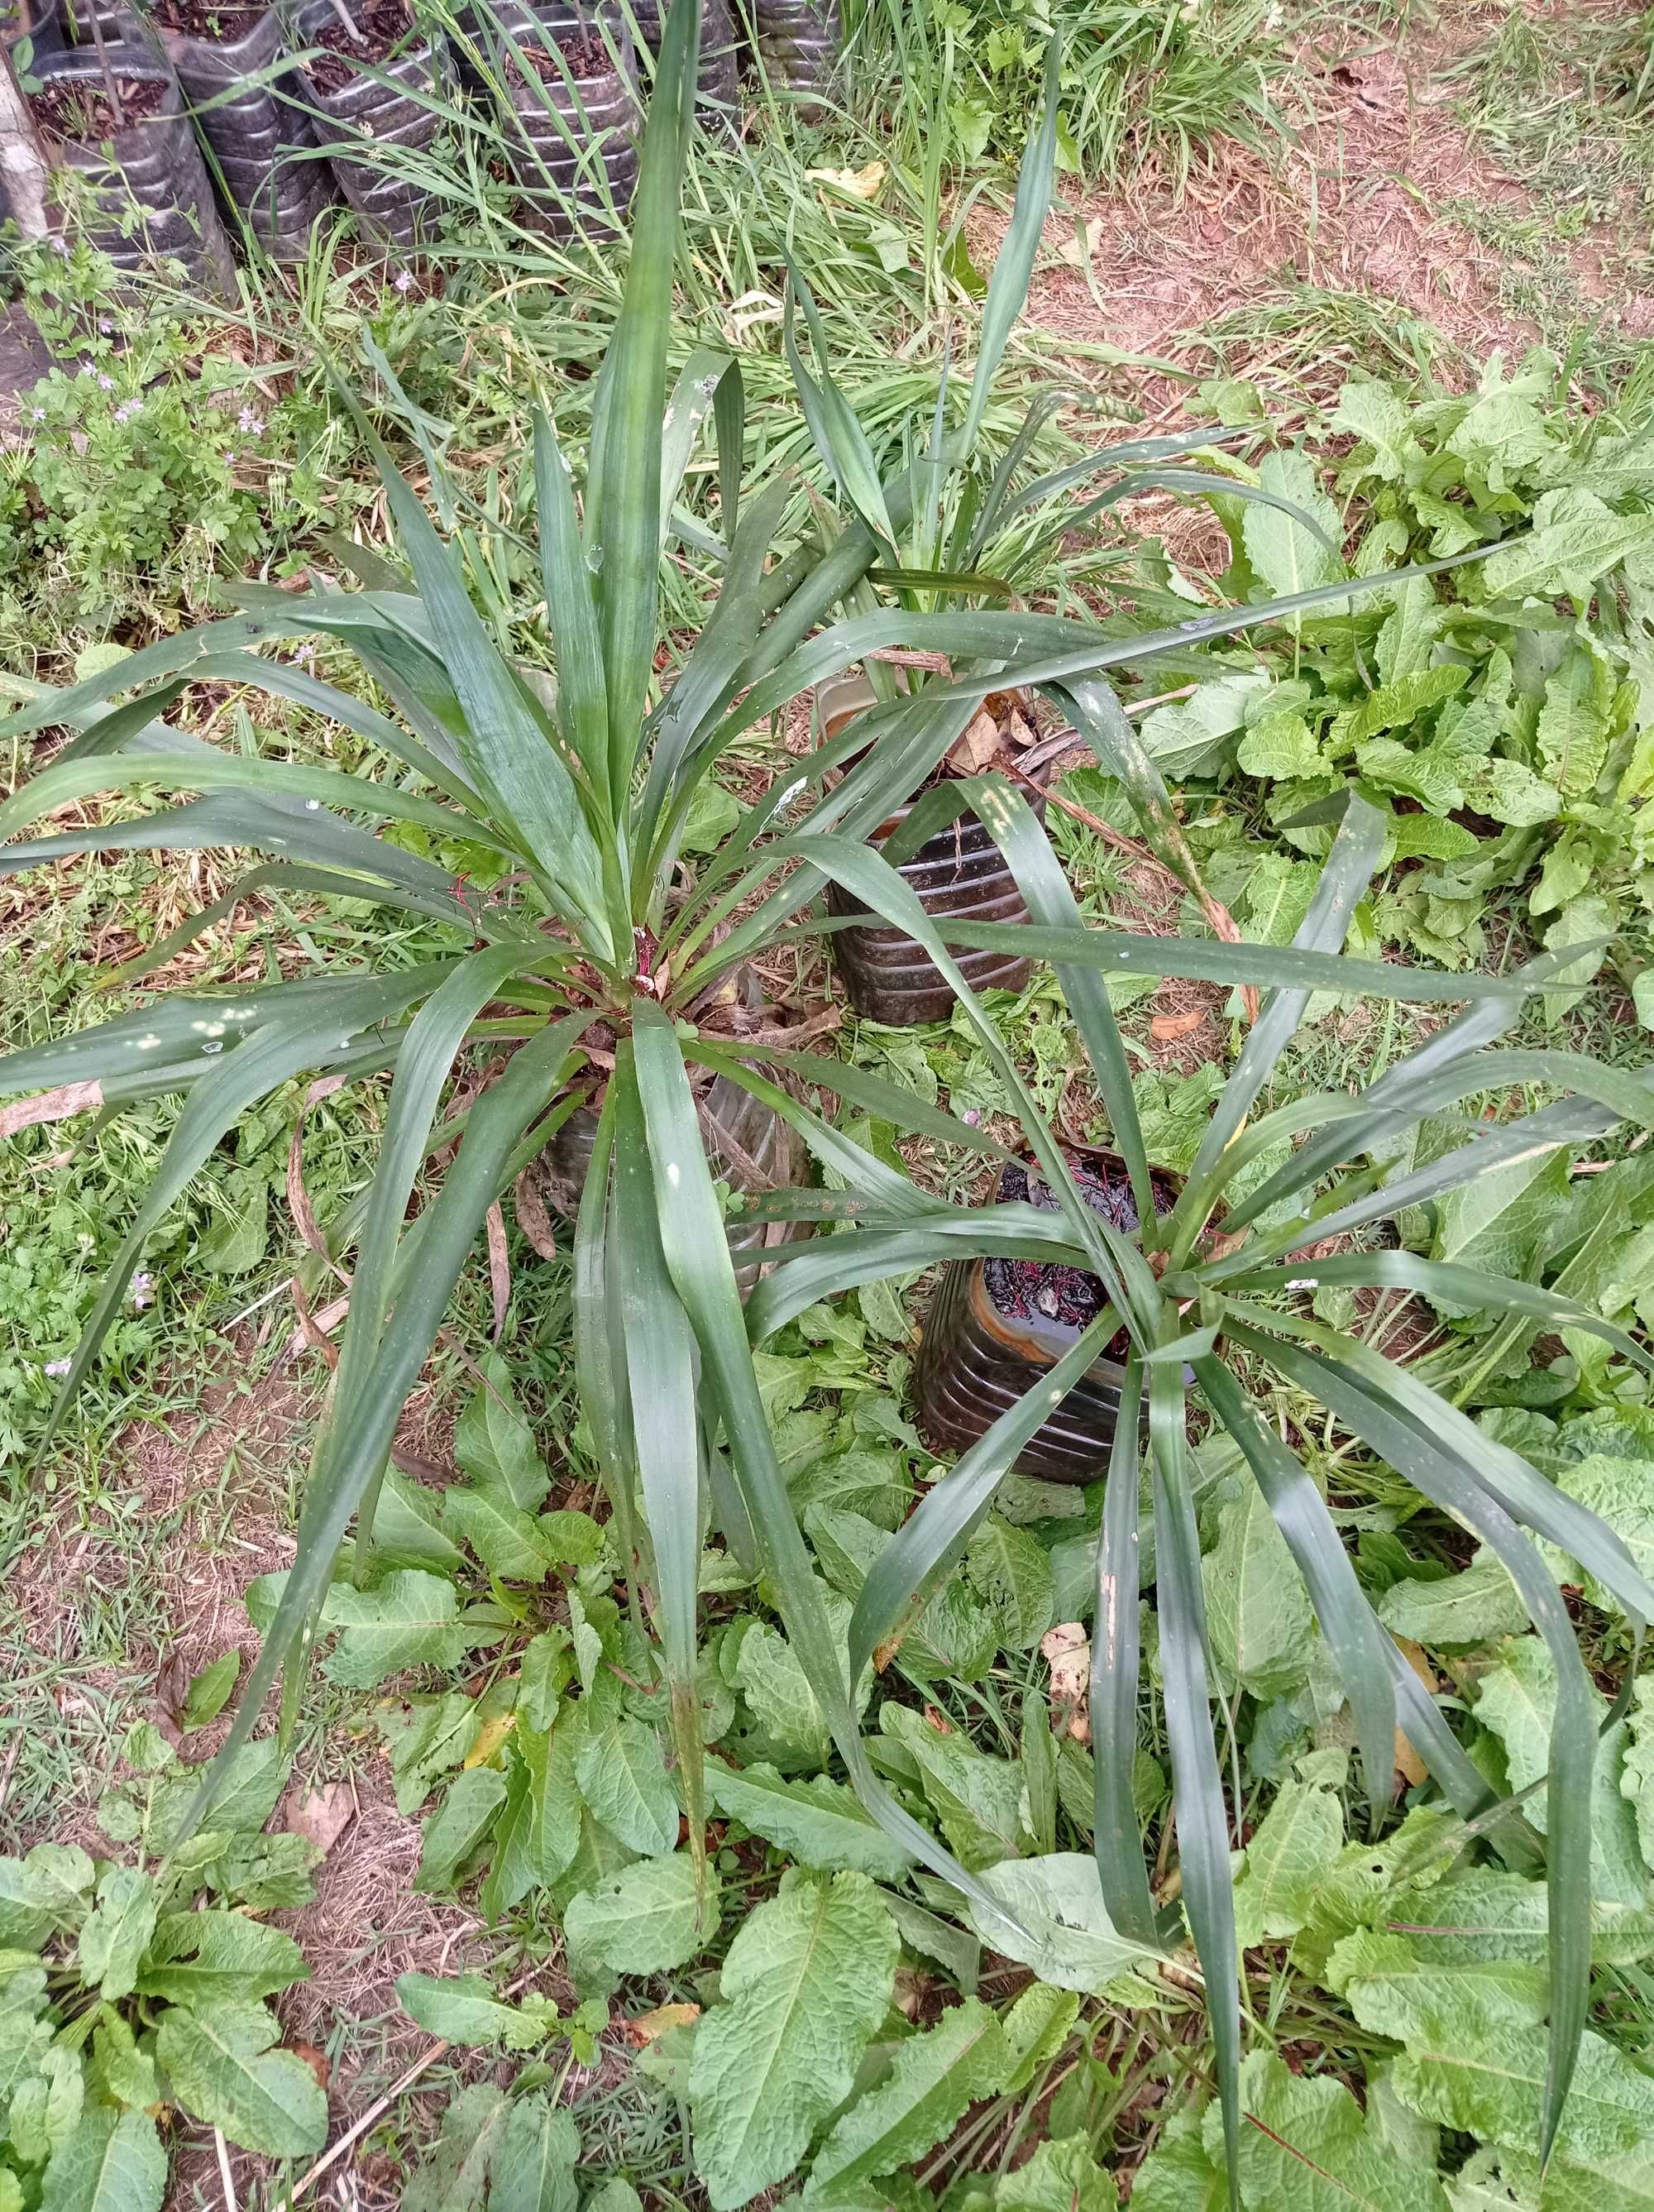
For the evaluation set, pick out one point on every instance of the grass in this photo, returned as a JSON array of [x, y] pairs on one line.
[[93, 1554]]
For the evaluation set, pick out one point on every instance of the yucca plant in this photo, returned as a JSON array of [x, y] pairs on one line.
[[1209, 1294], [585, 800]]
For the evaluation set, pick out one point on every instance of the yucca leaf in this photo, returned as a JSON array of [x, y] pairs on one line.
[[111, 731], [205, 769], [936, 1532], [599, 1351], [871, 880], [504, 744], [1010, 820], [660, 1374], [1440, 1278], [358, 1435], [200, 825], [1120, 454], [571, 612], [282, 680], [888, 1102], [698, 1259], [1008, 287], [1197, 1801], [1038, 650], [694, 397], [280, 875], [623, 484], [1344, 877], [168, 656], [1519, 1489], [1358, 1645], [1380, 1416], [198, 1028], [308, 1038], [863, 1171], [1567, 1123], [1116, 1670], [838, 436], [1270, 967], [803, 1274], [730, 428]]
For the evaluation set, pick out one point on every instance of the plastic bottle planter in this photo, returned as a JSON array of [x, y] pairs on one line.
[[720, 60], [996, 1326], [569, 79], [262, 144], [799, 43], [377, 96], [887, 975], [149, 193], [761, 1134]]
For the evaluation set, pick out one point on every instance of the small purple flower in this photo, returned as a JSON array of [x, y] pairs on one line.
[[56, 1367], [127, 409], [142, 1291], [972, 1117], [104, 325], [39, 415], [249, 424], [105, 384], [405, 280], [89, 368], [60, 247], [304, 654], [229, 460]]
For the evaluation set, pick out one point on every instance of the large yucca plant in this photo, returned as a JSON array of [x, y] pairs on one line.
[[586, 799]]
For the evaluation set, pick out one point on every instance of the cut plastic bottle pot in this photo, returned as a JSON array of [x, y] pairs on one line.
[[994, 1328], [262, 144], [149, 198]]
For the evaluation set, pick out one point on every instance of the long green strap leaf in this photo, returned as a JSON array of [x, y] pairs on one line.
[[659, 1351], [1520, 1489], [1344, 876], [624, 478], [1358, 1645], [1378, 1416], [570, 613], [698, 1259], [1197, 1798], [1116, 1677], [354, 1447], [1008, 288], [1462, 1286], [938, 1529]]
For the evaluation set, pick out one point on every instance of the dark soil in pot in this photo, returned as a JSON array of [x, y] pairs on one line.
[[149, 197], [799, 43], [264, 146], [573, 113], [996, 1326], [361, 110]]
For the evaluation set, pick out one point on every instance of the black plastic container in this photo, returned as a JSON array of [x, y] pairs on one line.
[[887, 975], [378, 105], [799, 42], [151, 199], [263, 145], [988, 1338], [719, 86], [573, 111]]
